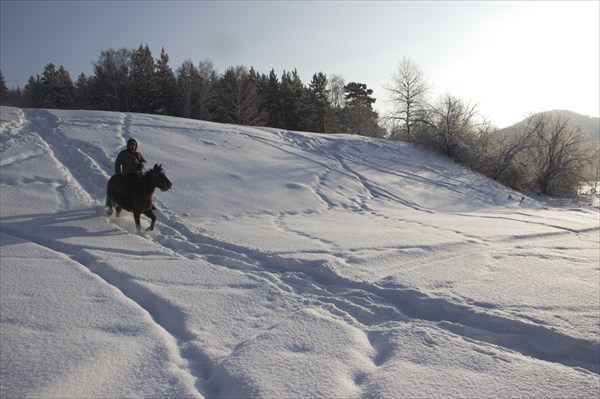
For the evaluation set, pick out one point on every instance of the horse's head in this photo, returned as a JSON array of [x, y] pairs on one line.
[[159, 178]]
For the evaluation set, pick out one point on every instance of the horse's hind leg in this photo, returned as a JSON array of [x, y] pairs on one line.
[[118, 210], [152, 217], [109, 205]]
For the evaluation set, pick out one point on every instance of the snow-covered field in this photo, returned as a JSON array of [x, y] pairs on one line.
[[285, 265]]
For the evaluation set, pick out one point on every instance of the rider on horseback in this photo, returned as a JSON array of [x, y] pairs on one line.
[[129, 160], [129, 165]]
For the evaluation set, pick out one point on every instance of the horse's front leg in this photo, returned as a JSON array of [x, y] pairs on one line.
[[152, 217], [136, 217]]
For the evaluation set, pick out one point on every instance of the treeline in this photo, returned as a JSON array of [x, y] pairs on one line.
[[546, 153], [134, 81]]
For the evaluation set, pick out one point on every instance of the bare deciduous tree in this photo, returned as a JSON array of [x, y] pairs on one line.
[[451, 126], [335, 87], [502, 160], [561, 155], [408, 93]]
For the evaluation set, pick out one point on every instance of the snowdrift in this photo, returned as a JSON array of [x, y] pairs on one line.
[[284, 264]]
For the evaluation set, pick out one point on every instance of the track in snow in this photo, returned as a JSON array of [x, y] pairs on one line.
[[361, 304]]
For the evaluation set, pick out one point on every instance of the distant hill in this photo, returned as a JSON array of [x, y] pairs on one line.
[[589, 123]]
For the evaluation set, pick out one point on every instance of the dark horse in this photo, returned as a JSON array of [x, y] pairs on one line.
[[133, 193]]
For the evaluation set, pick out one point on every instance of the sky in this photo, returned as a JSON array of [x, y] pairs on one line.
[[283, 265], [509, 58]]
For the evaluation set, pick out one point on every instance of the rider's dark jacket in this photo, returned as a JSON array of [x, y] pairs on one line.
[[129, 161]]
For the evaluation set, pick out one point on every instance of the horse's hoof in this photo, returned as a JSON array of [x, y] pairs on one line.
[[150, 228], [109, 212]]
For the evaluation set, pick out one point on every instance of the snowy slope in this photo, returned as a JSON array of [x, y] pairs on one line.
[[284, 264]]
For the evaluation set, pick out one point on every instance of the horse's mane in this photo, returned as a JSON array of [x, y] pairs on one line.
[[156, 168]]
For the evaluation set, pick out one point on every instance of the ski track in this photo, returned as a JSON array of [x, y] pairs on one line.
[[361, 304]]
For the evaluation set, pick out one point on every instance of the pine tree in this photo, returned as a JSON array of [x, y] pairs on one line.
[[358, 116], [83, 92], [357, 94], [110, 83], [293, 100], [319, 106], [239, 102], [48, 84], [167, 85], [3, 89], [207, 87], [142, 80], [32, 93], [185, 94], [65, 89], [54, 89], [272, 100]]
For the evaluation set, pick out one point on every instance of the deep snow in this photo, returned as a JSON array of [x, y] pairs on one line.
[[284, 264]]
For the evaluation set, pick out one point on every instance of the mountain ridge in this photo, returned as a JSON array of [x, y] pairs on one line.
[[590, 124]]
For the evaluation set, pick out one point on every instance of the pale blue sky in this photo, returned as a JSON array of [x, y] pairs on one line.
[[511, 58]]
